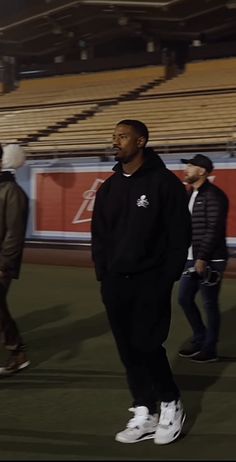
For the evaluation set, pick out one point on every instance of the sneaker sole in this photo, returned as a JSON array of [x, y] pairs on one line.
[[22, 366], [213, 360], [175, 437], [189, 356], [148, 436], [4, 372]]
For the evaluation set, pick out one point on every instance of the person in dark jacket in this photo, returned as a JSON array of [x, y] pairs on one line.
[[13, 220], [141, 231], [206, 262]]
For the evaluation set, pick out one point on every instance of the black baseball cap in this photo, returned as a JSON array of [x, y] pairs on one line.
[[200, 161]]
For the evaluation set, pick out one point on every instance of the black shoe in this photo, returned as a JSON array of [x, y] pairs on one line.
[[16, 362], [190, 351], [205, 357]]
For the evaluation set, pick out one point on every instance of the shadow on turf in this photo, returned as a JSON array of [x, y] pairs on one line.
[[67, 338], [199, 377], [46, 341]]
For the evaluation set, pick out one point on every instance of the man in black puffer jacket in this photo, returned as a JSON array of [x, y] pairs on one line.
[[141, 231], [207, 258]]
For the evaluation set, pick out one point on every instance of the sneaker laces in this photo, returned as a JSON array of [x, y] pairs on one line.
[[138, 419], [167, 413]]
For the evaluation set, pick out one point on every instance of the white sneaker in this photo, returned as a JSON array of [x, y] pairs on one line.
[[141, 427], [170, 423]]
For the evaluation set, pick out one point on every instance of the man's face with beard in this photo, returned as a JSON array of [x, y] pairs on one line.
[[193, 173], [128, 143]]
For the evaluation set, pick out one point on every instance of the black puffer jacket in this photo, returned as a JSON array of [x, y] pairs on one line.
[[141, 222], [209, 220]]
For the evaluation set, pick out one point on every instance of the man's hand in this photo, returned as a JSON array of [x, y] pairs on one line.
[[2, 274], [200, 266]]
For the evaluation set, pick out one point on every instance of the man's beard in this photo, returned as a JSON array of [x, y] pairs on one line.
[[126, 160], [191, 179]]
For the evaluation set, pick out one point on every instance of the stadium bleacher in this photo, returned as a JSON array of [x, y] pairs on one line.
[[77, 113]]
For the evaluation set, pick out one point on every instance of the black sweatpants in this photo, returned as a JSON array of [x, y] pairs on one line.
[[139, 311]]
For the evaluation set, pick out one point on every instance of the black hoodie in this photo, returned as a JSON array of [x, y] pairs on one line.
[[141, 222]]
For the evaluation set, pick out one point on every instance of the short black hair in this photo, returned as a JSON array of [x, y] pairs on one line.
[[139, 127], [1, 151]]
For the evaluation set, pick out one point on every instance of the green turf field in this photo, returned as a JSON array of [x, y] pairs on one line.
[[73, 399]]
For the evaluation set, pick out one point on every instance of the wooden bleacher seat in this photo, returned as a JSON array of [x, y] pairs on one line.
[[182, 111]]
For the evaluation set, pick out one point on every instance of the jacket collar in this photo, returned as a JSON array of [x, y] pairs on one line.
[[6, 176], [204, 186]]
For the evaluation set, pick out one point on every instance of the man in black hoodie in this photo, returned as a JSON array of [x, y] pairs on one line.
[[141, 231], [13, 220]]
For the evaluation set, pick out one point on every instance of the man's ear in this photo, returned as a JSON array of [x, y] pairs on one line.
[[202, 171], [141, 142]]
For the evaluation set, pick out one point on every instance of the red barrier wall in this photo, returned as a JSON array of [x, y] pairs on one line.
[[63, 200]]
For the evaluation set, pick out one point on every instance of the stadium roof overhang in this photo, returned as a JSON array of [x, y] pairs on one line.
[[30, 28]]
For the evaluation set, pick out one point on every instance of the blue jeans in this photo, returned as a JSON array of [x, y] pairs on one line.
[[205, 337]]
